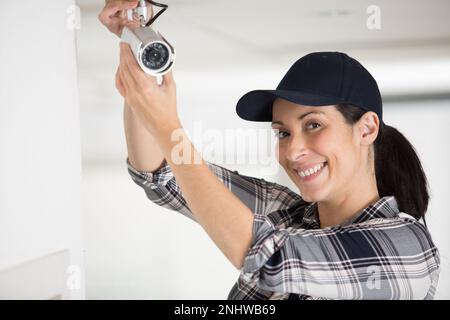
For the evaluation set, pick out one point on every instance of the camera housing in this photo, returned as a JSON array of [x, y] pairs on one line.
[[154, 54]]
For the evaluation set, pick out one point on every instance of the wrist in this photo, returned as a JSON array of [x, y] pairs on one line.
[[177, 146], [167, 130]]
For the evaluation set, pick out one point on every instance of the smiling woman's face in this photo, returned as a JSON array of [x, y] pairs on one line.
[[318, 149]]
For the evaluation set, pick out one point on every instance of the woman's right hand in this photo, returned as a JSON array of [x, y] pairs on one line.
[[114, 14]]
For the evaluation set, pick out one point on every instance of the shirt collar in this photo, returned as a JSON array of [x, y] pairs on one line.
[[385, 207]]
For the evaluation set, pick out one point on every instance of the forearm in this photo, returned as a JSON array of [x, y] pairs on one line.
[[226, 219], [144, 152]]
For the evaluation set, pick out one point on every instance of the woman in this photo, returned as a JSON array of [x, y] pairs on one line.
[[351, 233]]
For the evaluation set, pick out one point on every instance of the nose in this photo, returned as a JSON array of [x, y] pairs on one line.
[[295, 149]]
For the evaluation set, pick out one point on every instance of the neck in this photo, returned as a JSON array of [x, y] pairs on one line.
[[344, 206]]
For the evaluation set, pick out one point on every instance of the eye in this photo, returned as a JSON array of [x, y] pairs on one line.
[[280, 134], [313, 123]]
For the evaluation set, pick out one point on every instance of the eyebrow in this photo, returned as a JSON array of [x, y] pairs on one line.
[[300, 117]]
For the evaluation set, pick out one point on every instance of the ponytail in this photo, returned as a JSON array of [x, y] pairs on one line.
[[398, 170]]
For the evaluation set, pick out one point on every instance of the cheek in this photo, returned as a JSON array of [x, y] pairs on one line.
[[280, 151], [322, 146], [343, 161]]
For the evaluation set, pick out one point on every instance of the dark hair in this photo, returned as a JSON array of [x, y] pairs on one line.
[[397, 167]]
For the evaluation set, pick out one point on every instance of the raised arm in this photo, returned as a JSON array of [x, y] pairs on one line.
[[144, 154], [259, 195], [146, 162], [143, 151], [225, 218]]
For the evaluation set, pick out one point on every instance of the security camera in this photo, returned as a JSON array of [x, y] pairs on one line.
[[154, 54]]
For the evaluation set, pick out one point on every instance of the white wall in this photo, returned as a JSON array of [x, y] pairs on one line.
[[40, 157], [427, 126]]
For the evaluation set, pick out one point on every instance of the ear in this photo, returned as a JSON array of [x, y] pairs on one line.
[[368, 127]]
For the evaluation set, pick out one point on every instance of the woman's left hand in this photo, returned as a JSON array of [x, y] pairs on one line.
[[155, 105]]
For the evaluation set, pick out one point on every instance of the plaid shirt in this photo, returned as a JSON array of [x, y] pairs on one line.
[[380, 253]]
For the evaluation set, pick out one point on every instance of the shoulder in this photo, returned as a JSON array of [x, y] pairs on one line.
[[402, 235], [281, 197]]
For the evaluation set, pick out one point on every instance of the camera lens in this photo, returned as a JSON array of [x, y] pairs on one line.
[[155, 56]]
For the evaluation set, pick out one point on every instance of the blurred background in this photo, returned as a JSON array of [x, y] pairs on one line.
[[127, 247]]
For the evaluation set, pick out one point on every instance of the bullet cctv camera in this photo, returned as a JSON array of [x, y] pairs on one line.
[[154, 54]]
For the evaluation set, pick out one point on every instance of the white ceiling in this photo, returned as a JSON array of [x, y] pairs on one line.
[[208, 32], [226, 48]]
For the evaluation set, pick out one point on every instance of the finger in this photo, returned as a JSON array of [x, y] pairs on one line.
[[114, 22], [133, 67], [110, 19], [119, 84], [124, 64], [125, 81], [127, 78], [122, 4], [113, 8], [168, 79]]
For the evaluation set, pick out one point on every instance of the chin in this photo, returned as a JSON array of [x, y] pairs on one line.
[[310, 196]]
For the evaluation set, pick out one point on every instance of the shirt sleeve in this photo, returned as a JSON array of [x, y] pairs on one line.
[[382, 258], [258, 195]]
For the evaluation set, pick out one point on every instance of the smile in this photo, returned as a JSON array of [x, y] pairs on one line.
[[311, 173]]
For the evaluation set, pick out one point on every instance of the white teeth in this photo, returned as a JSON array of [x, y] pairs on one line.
[[310, 171]]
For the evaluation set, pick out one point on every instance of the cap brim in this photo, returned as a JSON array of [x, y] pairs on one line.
[[256, 105]]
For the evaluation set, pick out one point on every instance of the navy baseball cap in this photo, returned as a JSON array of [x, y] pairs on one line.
[[317, 79]]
